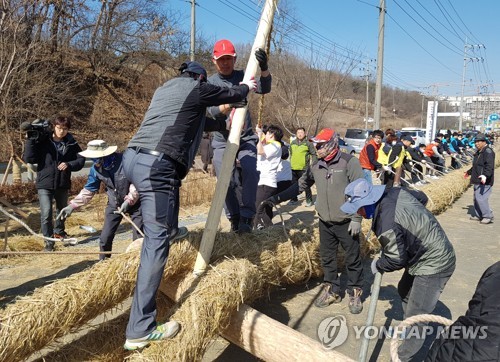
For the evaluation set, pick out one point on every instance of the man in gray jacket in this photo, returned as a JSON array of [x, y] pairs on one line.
[[411, 239], [158, 157], [331, 174]]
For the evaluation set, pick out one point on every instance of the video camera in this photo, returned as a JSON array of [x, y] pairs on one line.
[[37, 130]]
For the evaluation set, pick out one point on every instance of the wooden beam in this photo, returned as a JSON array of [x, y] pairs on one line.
[[233, 143], [250, 330]]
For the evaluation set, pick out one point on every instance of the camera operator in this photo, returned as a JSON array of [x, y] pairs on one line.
[[56, 154]]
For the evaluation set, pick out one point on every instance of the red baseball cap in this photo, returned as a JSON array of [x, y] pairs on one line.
[[224, 47], [324, 135]]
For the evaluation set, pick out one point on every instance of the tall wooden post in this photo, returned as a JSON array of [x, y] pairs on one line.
[[233, 143]]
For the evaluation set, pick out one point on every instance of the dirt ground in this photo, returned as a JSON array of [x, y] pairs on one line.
[[476, 246]]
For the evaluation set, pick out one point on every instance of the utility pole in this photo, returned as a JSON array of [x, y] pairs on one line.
[[367, 77], [466, 60], [193, 30], [422, 114], [380, 64]]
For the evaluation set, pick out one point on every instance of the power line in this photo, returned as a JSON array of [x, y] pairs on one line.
[[437, 20], [458, 15]]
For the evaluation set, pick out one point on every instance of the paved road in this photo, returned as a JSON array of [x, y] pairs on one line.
[[477, 247]]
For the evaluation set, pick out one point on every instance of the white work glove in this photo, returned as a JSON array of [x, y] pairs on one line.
[[387, 168], [354, 228], [374, 266], [65, 212], [251, 83], [123, 208], [483, 179]]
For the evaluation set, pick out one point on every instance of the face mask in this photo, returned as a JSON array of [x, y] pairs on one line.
[[394, 142], [369, 210], [97, 161], [108, 162]]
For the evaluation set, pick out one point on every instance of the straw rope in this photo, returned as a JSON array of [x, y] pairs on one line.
[[420, 318]]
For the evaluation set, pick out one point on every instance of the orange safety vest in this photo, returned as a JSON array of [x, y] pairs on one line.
[[363, 155], [428, 150]]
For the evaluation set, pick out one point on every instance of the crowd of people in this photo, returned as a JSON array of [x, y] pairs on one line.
[[193, 109]]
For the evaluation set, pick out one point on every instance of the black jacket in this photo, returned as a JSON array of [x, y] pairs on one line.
[[47, 158], [483, 164], [483, 317]]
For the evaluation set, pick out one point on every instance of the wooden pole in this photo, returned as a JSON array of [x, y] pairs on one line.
[[6, 235], [363, 351], [233, 143], [250, 330], [7, 170]]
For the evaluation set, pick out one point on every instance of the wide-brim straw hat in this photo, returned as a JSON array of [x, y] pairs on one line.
[[97, 149]]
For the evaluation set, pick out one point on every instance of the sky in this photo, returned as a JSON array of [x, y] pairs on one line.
[[426, 42]]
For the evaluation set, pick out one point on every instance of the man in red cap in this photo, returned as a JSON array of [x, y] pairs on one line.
[[240, 206], [333, 171]]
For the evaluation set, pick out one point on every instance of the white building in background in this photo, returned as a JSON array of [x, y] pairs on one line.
[[476, 108]]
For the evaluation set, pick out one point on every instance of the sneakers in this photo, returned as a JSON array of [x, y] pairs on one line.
[[309, 203], [49, 245], [474, 218], [162, 331], [434, 177], [62, 235], [179, 234], [355, 305], [486, 221], [245, 225], [327, 297]]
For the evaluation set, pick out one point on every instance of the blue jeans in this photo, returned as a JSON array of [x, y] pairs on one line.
[[157, 182], [46, 197], [368, 175], [419, 295]]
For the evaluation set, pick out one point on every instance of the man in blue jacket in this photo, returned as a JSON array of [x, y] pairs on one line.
[[240, 209], [158, 157], [56, 156]]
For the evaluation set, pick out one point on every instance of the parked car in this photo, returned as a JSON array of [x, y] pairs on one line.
[[356, 137], [418, 134], [344, 147]]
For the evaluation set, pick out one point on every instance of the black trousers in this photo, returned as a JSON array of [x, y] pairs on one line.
[[264, 215], [330, 236], [296, 174], [112, 222]]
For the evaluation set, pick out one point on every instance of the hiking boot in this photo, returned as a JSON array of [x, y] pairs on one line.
[[326, 296], [162, 331], [486, 221], [355, 304], [180, 233], [235, 223], [309, 203], [474, 218], [292, 202], [245, 225]]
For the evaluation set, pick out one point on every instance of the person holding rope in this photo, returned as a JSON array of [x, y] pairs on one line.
[[122, 195], [331, 173], [158, 157], [412, 239], [56, 154], [239, 212]]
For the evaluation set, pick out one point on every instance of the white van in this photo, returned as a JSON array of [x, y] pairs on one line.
[[356, 137], [418, 134]]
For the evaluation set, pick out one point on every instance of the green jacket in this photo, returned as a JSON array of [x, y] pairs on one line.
[[301, 153], [331, 179]]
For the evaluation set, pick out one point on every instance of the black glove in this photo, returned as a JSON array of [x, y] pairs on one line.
[[261, 56], [239, 104], [270, 202]]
